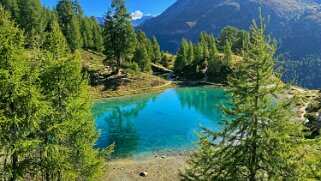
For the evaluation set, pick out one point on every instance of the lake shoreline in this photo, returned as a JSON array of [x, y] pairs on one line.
[[152, 90], [157, 168]]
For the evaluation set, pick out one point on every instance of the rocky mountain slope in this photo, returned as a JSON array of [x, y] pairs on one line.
[[295, 23]]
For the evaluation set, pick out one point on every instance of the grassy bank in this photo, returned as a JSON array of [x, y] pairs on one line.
[[105, 85]]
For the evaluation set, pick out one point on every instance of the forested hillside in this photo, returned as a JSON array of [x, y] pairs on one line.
[[47, 128], [293, 23], [79, 30]]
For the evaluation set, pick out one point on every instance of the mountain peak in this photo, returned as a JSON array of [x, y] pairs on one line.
[[292, 21]]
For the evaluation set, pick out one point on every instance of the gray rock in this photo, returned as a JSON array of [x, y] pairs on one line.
[[143, 174]]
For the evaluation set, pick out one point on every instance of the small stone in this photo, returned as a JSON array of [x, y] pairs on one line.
[[143, 174], [156, 156], [121, 168], [163, 157]]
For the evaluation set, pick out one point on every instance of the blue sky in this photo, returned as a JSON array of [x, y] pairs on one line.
[[99, 7]]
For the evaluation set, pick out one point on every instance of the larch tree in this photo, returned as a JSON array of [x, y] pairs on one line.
[[69, 23], [190, 53], [68, 133], [12, 7], [258, 141], [156, 56], [212, 47], [33, 20], [21, 105], [87, 33], [228, 54], [181, 59], [141, 57], [97, 35], [119, 35]]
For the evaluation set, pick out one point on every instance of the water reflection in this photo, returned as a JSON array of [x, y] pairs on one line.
[[152, 123], [204, 100], [118, 115]]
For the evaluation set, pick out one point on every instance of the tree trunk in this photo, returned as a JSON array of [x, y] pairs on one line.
[[253, 165], [14, 170], [118, 65]]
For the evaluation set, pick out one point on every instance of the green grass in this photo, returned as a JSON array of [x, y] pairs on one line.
[[105, 86], [122, 86]]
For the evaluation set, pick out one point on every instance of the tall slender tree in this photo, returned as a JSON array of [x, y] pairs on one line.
[[156, 56], [69, 22], [12, 7], [228, 54], [258, 141], [98, 41], [141, 57], [181, 59], [21, 105], [32, 20], [69, 132], [118, 33], [212, 47], [190, 53]]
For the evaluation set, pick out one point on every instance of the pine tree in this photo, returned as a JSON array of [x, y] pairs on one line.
[[21, 106], [32, 20], [181, 59], [141, 57], [77, 8], [69, 23], [233, 35], [98, 43], [258, 141], [69, 133], [12, 7], [156, 58], [144, 52], [87, 33], [228, 55], [119, 36], [190, 53], [199, 56], [212, 48]]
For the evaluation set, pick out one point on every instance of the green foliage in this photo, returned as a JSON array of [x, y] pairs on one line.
[[87, 34], [228, 54], [70, 129], [119, 36], [156, 54], [21, 105], [166, 59], [303, 72], [181, 59], [141, 57], [234, 36], [190, 53], [47, 130], [258, 141], [69, 23], [12, 7], [132, 68], [33, 20], [202, 60]]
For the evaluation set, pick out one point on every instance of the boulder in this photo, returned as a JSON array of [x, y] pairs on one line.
[[143, 174]]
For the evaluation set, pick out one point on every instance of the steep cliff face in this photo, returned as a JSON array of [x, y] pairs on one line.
[[296, 23]]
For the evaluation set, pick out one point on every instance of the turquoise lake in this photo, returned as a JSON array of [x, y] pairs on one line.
[[158, 123]]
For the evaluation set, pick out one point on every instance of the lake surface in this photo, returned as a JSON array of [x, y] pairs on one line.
[[158, 123]]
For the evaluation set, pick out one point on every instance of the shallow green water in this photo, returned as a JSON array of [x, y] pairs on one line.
[[157, 123]]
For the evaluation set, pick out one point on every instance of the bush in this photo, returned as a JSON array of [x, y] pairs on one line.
[[132, 68]]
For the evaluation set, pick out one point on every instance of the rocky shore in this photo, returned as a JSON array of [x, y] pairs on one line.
[[157, 168]]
